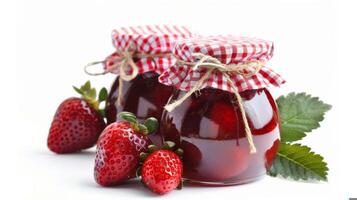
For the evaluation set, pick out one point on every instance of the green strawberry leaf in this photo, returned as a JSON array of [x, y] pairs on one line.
[[152, 148], [79, 91], [86, 86], [143, 129], [299, 114], [299, 163], [128, 116], [168, 145], [143, 156], [179, 151], [103, 94], [152, 124]]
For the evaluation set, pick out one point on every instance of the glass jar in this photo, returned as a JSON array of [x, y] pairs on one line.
[[144, 96], [142, 52], [208, 126]]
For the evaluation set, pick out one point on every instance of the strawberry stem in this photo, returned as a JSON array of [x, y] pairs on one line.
[[89, 94]]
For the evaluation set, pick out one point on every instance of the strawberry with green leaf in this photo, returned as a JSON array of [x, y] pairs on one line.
[[78, 122], [119, 147]]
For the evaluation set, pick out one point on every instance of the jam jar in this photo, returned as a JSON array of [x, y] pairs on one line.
[[208, 126], [144, 50], [221, 113]]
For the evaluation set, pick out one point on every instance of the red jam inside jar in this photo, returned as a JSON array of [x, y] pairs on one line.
[[144, 96], [208, 126]]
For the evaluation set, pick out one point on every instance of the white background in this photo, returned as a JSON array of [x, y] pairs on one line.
[[54, 39]]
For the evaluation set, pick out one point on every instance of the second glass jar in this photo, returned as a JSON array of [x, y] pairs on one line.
[[208, 126]]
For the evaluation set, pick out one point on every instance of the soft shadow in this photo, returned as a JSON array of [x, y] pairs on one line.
[[83, 153], [131, 185], [316, 182], [83, 157], [87, 152]]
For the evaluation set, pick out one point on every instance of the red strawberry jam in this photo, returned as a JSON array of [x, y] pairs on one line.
[[208, 126], [144, 96]]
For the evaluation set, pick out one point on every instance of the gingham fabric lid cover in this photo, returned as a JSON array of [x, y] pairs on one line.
[[228, 50], [158, 39]]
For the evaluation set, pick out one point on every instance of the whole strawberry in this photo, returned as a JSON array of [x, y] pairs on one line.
[[77, 123], [119, 147], [162, 171]]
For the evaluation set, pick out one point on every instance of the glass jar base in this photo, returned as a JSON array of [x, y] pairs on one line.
[[224, 183]]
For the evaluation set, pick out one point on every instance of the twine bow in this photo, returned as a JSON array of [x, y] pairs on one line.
[[124, 63], [213, 64]]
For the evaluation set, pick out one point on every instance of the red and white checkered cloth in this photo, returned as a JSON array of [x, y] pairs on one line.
[[149, 40], [228, 50]]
